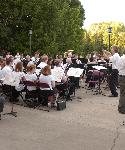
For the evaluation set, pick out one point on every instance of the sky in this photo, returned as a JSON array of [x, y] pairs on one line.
[[103, 11]]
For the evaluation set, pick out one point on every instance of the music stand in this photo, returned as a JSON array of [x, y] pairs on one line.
[[12, 107]]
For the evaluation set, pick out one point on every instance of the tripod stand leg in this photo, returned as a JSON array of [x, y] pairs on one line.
[[12, 112]]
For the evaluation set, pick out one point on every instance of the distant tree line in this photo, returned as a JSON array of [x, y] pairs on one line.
[[56, 25]]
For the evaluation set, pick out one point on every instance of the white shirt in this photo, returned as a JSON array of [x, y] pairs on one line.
[[46, 79], [115, 60], [58, 74], [121, 66], [17, 56], [42, 65], [31, 77], [5, 71], [19, 75]]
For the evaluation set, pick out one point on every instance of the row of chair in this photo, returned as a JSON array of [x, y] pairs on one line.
[[37, 97]]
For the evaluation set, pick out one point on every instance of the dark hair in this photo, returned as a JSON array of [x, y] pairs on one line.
[[57, 62], [9, 60]]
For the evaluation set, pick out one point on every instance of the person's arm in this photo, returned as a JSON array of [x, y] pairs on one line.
[[53, 83]]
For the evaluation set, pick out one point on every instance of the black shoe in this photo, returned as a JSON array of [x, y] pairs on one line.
[[113, 96], [68, 99], [121, 111]]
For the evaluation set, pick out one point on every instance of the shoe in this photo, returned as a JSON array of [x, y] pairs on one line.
[[121, 111], [113, 96]]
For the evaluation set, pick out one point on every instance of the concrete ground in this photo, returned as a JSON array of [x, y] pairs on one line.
[[90, 123]]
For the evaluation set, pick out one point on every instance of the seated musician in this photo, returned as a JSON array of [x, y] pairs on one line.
[[58, 67], [43, 63], [47, 78], [68, 64], [31, 76], [19, 74], [8, 67]]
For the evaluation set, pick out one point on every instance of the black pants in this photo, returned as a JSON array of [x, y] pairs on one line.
[[113, 82], [121, 106], [1, 104]]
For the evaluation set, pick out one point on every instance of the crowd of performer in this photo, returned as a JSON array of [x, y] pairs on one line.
[[25, 68]]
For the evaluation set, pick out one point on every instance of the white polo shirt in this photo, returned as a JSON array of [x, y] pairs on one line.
[[115, 60]]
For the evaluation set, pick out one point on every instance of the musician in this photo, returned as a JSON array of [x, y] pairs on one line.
[[8, 67], [113, 81], [43, 63], [20, 75], [36, 58], [68, 64], [58, 67], [121, 68], [31, 76], [47, 78], [26, 61], [17, 56]]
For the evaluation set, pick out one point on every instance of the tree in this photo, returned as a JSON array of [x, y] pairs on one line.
[[56, 25]]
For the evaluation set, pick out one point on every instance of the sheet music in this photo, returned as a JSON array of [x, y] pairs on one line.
[[99, 67], [57, 74], [75, 72]]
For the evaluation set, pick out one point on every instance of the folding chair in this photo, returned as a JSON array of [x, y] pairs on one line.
[[31, 97], [44, 94]]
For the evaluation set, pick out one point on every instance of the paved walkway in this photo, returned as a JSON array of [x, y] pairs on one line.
[[90, 123]]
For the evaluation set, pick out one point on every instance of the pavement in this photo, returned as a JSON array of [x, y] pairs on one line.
[[89, 123]]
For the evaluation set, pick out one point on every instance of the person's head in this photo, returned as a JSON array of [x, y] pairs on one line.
[[50, 61], [69, 60], [44, 58], [28, 57], [37, 54], [17, 53], [69, 54], [57, 62], [9, 61], [46, 71], [114, 49], [19, 67], [31, 68], [124, 52], [2, 63]]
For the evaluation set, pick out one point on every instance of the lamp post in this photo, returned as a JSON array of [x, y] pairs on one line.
[[109, 35], [30, 35]]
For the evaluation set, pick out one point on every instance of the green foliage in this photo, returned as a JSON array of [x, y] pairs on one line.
[[98, 34], [56, 25]]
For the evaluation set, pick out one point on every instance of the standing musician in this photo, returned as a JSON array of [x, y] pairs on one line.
[[121, 68], [113, 80]]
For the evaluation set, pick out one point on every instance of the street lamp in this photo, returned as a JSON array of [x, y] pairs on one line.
[[30, 35], [109, 35]]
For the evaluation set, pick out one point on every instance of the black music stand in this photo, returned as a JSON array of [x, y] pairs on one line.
[[12, 107]]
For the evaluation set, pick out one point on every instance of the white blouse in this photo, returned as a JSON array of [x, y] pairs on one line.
[[31, 77], [47, 79]]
